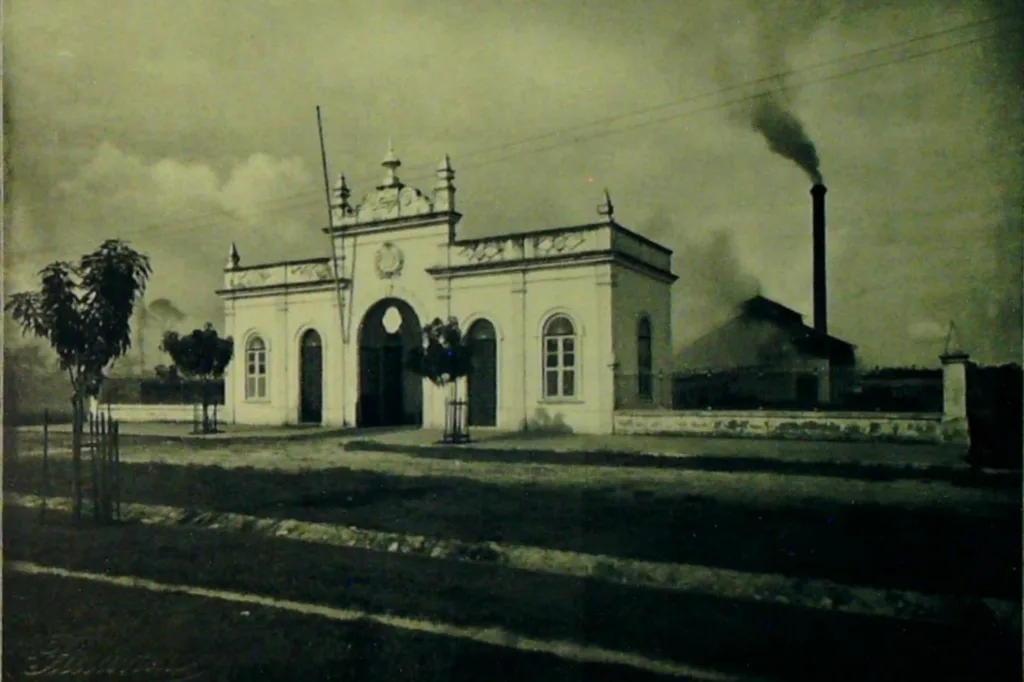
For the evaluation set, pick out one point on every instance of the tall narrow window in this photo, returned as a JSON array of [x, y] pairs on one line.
[[559, 358], [255, 369], [644, 359]]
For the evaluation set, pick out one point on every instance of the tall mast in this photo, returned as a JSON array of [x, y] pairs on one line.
[[338, 268]]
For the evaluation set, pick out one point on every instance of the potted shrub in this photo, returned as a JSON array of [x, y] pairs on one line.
[[443, 359]]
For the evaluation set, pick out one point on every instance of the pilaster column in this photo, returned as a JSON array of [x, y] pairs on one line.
[[515, 388], [284, 396], [954, 398], [605, 316], [235, 368]]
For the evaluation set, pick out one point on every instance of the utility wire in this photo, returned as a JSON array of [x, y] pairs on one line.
[[303, 198]]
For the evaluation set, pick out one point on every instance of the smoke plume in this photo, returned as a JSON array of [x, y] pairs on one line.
[[752, 42], [785, 135]]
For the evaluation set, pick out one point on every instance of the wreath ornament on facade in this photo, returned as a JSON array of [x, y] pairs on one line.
[[389, 261]]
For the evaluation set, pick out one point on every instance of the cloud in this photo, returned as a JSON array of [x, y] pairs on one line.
[[926, 330], [184, 215]]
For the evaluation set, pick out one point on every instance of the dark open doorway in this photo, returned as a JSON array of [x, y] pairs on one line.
[[482, 382], [389, 394], [311, 378]]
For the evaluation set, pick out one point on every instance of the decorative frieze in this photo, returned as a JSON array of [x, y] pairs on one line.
[[281, 274], [555, 244], [244, 279], [483, 252], [317, 272]]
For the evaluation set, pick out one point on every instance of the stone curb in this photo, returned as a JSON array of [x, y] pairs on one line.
[[725, 583]]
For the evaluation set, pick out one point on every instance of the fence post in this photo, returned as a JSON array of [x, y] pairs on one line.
[[101, 451], [108, 473], [44, 487], [117, 469], [93, 433]]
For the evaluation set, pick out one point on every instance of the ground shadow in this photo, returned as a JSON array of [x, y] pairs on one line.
[[225, 643], [930, 549], [850, 470], [738, 636]]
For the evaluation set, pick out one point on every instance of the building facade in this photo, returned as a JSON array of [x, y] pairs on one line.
[[551, 316]]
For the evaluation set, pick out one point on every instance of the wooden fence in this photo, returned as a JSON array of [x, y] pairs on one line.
[[100, 442]]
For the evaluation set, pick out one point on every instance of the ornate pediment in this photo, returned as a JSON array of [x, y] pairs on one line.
[[392, 199], [388, 203]]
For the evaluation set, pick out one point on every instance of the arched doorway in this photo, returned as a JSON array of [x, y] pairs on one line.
[[311, 378], [389, 394], [482, 381]]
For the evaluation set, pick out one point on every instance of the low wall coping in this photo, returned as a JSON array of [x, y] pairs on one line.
[[140, 406], [808, 415]]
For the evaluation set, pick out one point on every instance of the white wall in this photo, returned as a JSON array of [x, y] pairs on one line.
[[637, 294], [185, 414], [518, 304], [280, 321]]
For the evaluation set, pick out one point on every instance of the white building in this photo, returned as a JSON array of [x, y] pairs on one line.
[[552, 315]]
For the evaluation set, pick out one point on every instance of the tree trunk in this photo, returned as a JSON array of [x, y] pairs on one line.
[[205, 397], [77, 426]]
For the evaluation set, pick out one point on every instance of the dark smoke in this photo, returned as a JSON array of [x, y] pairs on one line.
[[786, 136], [752, 41]]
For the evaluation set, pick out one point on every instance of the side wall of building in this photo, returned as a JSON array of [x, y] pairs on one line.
[[638, 295], [280, 321], [519, 304]]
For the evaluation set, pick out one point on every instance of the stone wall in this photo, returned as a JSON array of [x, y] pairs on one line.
[[845, 426], [948, 426], [147, 413]]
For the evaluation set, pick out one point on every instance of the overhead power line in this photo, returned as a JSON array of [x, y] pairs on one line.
[[779, 80]]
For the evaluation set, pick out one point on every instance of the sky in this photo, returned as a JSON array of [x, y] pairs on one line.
[[182, 126]]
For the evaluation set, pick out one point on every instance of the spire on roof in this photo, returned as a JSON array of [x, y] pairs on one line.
[[445, 167], [444, 188], [953, 348], [341, 195], [233, 258], [606, 207], [391, 163]]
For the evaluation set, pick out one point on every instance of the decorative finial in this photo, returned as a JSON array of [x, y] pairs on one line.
[[606, 208], [953, 348], [391, 163], [444, 188], [445, 173], [341, 194], [233, 258]]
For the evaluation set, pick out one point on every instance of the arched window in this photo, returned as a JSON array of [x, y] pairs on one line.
[[311, 339], [644, 359], [559, 358], [255, 369]]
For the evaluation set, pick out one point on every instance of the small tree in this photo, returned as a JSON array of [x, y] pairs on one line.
[[168, 374], [443, 358], [84, 311], [201, 355]]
